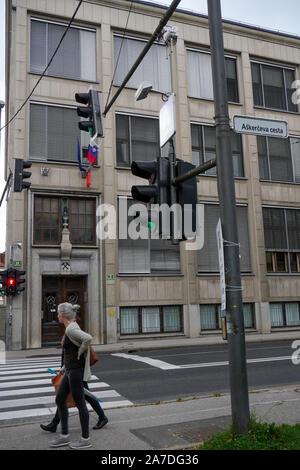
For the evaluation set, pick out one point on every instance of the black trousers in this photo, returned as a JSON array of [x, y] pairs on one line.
[[91, 400], [72, 381]]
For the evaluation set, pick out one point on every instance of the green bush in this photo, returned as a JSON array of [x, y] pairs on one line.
[[261, 436]]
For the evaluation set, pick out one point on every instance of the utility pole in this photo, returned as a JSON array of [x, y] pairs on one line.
[[226, 189]]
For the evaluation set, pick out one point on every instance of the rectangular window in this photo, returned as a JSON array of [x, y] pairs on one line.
[[211, 314], [144, 256], [151, 320], [279, 159], [284, 314], [272, 86], [54, 133], [282, 239], [199, 73], [49, 214], [204, 148], [76, 56], [154, 68], [137, 139], [208, 260]]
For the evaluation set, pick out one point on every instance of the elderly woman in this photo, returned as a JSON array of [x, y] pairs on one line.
[[75, 370]]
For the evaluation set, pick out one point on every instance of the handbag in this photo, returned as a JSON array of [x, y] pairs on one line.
[[93, 356], [56, 380]]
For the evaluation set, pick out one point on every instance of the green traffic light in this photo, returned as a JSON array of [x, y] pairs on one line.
[[151, 226]]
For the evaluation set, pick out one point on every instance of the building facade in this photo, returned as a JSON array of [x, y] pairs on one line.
[[145, 288]]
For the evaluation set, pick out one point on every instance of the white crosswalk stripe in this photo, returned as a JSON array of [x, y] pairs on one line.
[[26, 390]]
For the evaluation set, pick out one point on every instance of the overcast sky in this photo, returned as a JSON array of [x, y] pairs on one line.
[[278, 15]]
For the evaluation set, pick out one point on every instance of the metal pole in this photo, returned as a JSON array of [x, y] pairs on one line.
[[234, 306], [196, 171], [153, 38]]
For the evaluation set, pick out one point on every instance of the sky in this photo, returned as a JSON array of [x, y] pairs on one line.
[[271, 14]]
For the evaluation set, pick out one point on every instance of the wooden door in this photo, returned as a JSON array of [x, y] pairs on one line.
[[56, 290]]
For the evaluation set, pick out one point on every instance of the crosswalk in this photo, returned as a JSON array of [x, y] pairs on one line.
[[26, 390]]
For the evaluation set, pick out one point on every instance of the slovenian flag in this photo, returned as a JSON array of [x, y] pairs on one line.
[[92, 153]]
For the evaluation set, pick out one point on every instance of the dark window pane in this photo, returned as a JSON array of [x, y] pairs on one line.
[[263, 158], [293, 227], [280, 159], [269, 260], [232, 86], [289, 78], [144, 138], [273, 87], [256, 85], [122, 132], [281, 262], [274, 228]]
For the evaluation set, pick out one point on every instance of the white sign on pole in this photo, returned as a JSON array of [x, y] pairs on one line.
[[221, 264], [167, 127], [260, 126]]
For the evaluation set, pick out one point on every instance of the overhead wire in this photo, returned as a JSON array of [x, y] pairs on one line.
[[47, 66]]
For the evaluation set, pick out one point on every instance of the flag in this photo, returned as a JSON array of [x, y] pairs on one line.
[[92, 153], [78, 155]]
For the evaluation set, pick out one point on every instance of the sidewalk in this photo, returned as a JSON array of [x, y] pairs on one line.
[[169, 426], [159, 343]]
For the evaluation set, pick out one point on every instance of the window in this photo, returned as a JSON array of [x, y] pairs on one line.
[[48, 220], [145, 256], [284, 314], [149, 320], [211, 315], [76, 56], [204, 148], [54, 133], [154, 68], [199, 72], [272, 86], [282, 239], [208, 260], [137, 139], [279, 159]]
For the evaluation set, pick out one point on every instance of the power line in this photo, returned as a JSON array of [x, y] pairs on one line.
[[47, 66], [125, 29]]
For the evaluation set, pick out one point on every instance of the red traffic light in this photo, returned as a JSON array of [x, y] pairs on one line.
[[11, 281]]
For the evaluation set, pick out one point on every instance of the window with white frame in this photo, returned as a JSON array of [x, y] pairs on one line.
[[282, 239], [211, 316], [154, 68], [145, 256], [150, 320], [54, 133], [279, 159], [284, 314], [272, 86], [137, 138], [76, 56], [208, 261], [199, 74], [204, 148]]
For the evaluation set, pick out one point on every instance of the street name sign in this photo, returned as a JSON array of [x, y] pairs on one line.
[[260, 126]]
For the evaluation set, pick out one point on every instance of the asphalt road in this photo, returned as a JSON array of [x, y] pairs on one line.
[[177, 373]]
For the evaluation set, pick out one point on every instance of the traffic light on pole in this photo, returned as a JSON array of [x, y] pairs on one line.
[[11, 283], [20, 175], [3, 282], [148, 171], [186, 197], [91, 112], [19, 280]]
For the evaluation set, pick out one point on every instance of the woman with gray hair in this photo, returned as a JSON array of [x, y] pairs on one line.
[[75, 370]]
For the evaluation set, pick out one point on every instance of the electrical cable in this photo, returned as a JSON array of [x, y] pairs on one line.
[[47, 66], [125, 29]]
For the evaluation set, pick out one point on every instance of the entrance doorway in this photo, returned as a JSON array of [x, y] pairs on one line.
[[56, 290]]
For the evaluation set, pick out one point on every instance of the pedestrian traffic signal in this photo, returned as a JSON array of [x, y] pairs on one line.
[[20, 175], [91, 112], [19, 280]]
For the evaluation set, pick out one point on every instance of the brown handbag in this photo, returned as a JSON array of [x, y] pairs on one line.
[[93, 356], [56, 382]]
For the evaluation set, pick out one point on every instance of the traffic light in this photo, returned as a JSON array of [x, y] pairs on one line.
[[11, 283], [19, 280], [3, 281], [148, 171], [20, 175], [91, 112], [186, 197]]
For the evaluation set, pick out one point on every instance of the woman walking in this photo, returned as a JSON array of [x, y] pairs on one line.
[[76, 369]]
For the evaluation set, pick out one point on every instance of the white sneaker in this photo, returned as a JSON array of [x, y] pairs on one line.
[[81, 444], [61, 440]]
